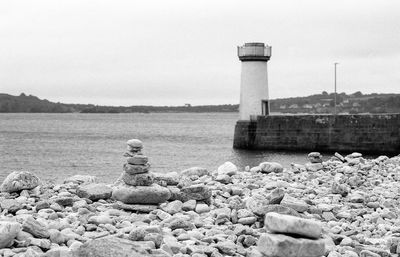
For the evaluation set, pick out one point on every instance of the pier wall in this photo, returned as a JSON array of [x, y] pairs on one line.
[[341, 133]]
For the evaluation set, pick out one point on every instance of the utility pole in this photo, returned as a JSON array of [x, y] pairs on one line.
[[336, 63]]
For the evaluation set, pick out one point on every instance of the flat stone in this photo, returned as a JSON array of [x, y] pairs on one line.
[[64, 200], [94, 192], [278, 245], [141, 194], [136, 169], [196, 192], [279, 209], [170, 178], [294, 203], [142, 179], [81, 179], [8, 232], [279, 223], [137, 159], [100, 219], [135, 207], [36, 228], [194, 171], [314, 167], [258, 202], [111, 246], [268, 167], [19, 180]]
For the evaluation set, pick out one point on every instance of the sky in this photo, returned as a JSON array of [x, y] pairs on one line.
[[172, 52]]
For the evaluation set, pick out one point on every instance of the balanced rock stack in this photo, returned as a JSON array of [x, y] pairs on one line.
[[291, 237], [136, 184]]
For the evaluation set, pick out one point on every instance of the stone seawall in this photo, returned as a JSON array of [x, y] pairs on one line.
[[345, 133]]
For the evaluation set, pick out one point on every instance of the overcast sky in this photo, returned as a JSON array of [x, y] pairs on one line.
[[174, 52]]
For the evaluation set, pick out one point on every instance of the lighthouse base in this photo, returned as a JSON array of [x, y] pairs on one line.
[[377, 133]]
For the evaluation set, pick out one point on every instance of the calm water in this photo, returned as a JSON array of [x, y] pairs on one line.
[[56, 146]]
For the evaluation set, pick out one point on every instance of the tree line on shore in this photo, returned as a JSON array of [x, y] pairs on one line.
[[318, 103]]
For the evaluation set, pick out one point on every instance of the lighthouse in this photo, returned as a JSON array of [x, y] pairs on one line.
[[254, 100]]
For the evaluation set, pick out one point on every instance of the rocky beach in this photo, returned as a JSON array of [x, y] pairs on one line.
[[345, 206]]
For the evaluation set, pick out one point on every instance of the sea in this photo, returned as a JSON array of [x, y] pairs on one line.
[[56, 146]]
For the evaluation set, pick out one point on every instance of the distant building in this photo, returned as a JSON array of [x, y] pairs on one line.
[[188, 105]]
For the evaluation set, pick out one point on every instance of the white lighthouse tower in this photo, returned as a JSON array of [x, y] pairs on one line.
[[254, 80]]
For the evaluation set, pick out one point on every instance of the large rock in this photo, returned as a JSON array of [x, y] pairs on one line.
[[195, 192], [141, 194], [268, 167], [19, 180], [194, 171], [143, 179], [111, 246], [278, 245], [8, 232], [227, 168], [94, 192], [35, 228], [279, 223], [259, 202]]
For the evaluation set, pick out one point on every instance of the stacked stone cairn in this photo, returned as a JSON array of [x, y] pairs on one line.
[[290, 236], [136, 184]]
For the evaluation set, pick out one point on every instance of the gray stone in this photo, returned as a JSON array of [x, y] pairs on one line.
[[268, 167], [202, 208], [36, 228], [279, 209], [143, 179], [11, 205], [136, 169], [258, 202], [227, 168], [173, 207], [81, 179], [19, 180], [8, 232], [170, 178], [194, 171], [279, 223], [94, 192], [196, 192], [141, 194], [278, 245], [135, 143], [111, 246], [294, 203], [137, 159], [189, 205], [135, 207], [315, 157]]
